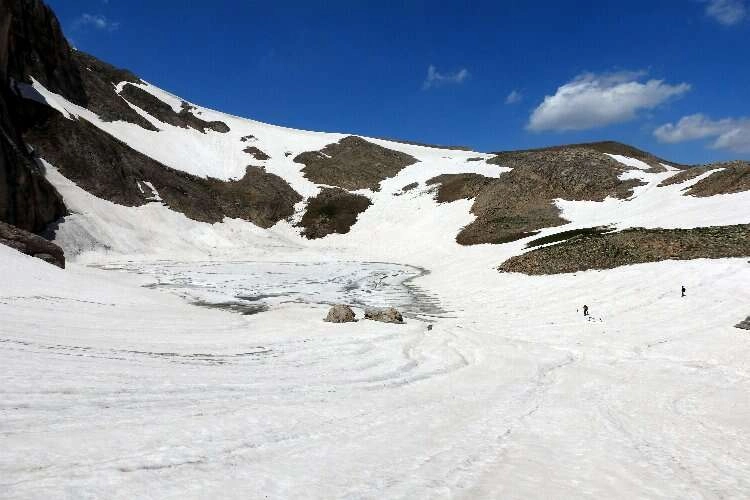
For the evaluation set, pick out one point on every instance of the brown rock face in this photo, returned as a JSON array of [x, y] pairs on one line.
[[333, 210], [31, 244], [30, 43], [256, 153], [686, 175], [353, 163], [99, 82], [633, 246], [33, 44], [520, 202], [734, 177], [164, 112], [730, 177], [110, 169], [454, 187]]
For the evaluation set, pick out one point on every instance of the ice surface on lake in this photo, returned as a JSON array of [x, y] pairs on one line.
[[251, 287]]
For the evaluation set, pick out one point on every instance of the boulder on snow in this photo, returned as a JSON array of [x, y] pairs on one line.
[[384, 315], [745, 325], [31, 244], [340, 313]]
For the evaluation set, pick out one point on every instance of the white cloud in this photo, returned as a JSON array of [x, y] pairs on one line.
[[514, 97], [436, 79], [727, 12], [729, 133], [97, 21], [595, 100]]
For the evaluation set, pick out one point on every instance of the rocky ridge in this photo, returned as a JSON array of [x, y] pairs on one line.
[[632, 246]]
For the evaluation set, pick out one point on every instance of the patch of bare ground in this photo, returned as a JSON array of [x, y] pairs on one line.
[[745, 325], [99, 81], [333, 210], [110, 169], [613, 148], [520, 202], [31, 244], [632, 246], [163, 112], [256, 153], [426, 145], [452, 187], [734, 177], [353, 163], [686, 175]]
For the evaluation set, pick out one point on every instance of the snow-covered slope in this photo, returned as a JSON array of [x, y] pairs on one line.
[[127, 375]]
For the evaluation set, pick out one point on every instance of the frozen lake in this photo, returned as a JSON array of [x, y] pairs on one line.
[[252, 287]]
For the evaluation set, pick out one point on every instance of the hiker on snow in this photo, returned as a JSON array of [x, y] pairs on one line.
[[585, 310], [683, 290]]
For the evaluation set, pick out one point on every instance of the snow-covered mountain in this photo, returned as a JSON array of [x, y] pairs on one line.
[[182, 351]]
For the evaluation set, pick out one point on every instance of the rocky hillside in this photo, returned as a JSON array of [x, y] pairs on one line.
[[102, 134], [603, 250], [31, 42]]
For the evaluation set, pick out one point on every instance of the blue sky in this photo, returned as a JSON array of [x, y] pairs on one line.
[[671, 77]]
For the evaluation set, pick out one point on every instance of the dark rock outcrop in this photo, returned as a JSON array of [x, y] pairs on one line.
[[353, 163], [340, 313], [256, 153], [333, 210], [686, 175], [729, 177], [31, 42], [31, 244], [610, 147], [164, 112], [454, 187], [99, 82], [733, 177], [110, 169], [633, 246], [521, 201], [745, 325], [384, 315]]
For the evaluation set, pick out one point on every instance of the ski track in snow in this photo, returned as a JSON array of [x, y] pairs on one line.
[[113, 385]]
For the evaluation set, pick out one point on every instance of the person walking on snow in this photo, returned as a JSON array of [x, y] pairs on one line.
[[683, 290], [585, 310]]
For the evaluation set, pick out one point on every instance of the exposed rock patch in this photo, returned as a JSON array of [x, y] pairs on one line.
[[27, 200], [353, 163], [164, 112], [384, 315], [340, 313], [454, 187], [633, 246], [745, 325], [32, 44], [686, 175], [734, 177], [31, 244], [256, 153], [426, 145], [613, 148], [99, 82], [566, 235], [333, 210], [110, 169], [520, 202]]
